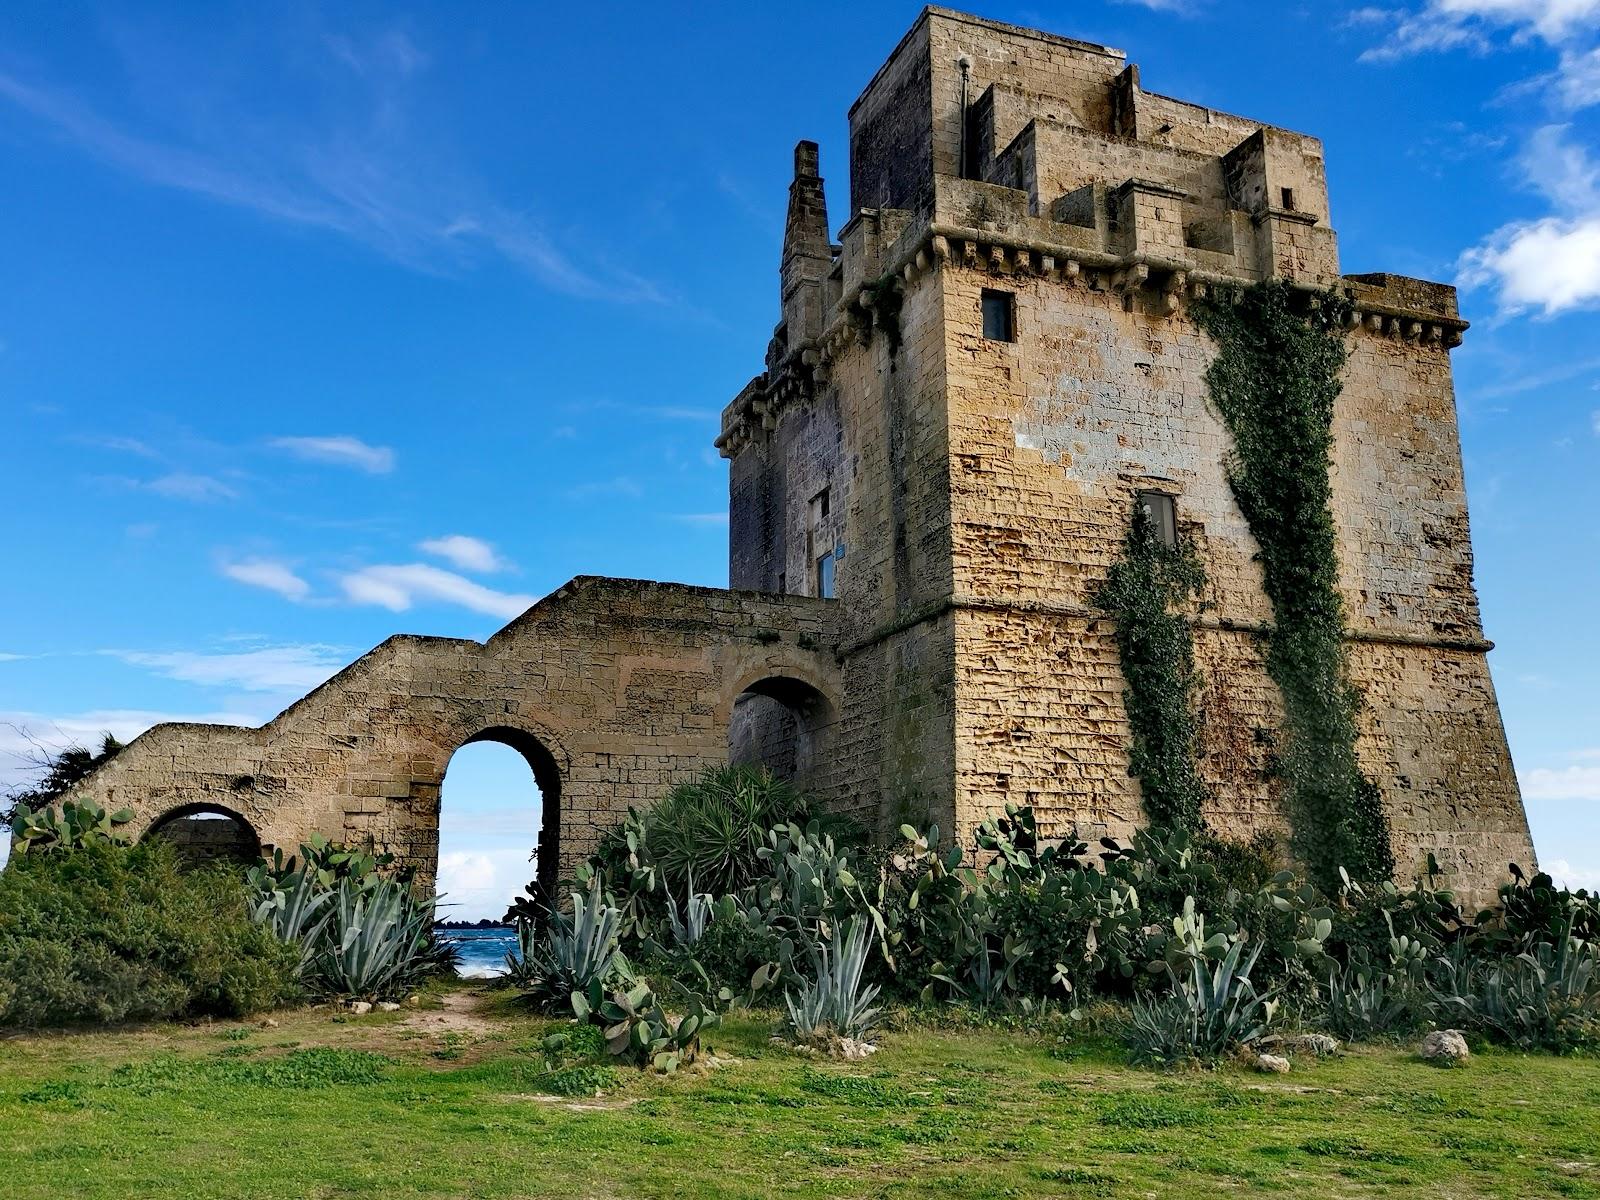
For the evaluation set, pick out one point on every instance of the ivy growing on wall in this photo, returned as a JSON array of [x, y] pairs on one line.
[[1147, 592], [1274, 380]]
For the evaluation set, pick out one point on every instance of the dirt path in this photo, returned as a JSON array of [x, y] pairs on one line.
[[459, 1014]]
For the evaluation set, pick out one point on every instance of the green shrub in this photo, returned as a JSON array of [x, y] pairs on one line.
[[114, 933], [707, 833], [834, 1001]]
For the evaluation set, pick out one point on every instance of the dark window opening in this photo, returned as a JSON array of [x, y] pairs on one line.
[[1161, 510], [825, 577], [783, 583], [819, 509], [999, 309], [1288, 199]]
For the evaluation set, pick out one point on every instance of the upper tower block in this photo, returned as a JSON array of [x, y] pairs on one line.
[[989, 127]]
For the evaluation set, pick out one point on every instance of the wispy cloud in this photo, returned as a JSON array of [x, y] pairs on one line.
[[1562, 783], [268, 574], [620, 485], [399, 586], [709, 519], [353, 166], [292, 668], [340, 450], [465, 553], [184, 485], [1571, 27]]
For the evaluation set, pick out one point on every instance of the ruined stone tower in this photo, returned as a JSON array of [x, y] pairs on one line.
[[929, 480], [963, 398]]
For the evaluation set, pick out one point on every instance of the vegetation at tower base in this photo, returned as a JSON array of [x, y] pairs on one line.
[[1274, 380], [1147, 592]]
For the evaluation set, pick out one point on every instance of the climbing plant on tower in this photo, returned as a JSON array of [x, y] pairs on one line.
[[1279, 355], [1147, 592]]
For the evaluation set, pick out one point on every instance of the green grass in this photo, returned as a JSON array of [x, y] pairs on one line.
[[426, 1104]]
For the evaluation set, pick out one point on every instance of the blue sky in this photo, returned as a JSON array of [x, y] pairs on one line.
[[327, 322]]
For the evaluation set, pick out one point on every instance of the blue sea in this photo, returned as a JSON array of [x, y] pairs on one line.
[[483, 951]]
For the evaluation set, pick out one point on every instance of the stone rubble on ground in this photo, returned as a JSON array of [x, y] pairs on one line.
[[1446, 1047]]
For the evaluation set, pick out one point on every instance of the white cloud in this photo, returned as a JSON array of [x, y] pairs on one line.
[[182, 485], [1551, 264], [1566, 875], [1453, 24], [397, 587], [274, 576], [462, 871], [1565, 783], [709, 519], [1578, 78], [13, 657], [269, 669], [340, 450], [466, 553]]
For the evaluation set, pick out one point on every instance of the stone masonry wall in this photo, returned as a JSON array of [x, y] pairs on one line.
[[622, 688]]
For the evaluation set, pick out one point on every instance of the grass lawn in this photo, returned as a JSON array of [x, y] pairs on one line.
[[451, 1100]]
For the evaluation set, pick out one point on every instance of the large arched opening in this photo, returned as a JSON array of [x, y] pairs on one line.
[[499, 808], [207, 833], [786, 725]]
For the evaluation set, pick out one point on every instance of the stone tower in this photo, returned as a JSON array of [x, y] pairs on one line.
[[964, 395]]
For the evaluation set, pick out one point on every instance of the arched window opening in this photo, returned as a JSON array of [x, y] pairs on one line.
[[785, 725], [498, 808], [204, 833]]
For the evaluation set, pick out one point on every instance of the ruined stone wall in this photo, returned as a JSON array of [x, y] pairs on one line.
[[618, 687]]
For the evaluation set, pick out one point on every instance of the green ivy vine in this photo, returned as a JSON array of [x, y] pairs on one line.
[[1147, 592], [1274, 380]]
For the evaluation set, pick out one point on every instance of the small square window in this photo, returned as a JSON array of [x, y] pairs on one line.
[[819, 509], [1161, 510], [825, 577], [999, 316]]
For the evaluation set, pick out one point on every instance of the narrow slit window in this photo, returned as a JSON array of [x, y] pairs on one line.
[[825, 576], [1161, 510], [783, 583], [1288, 199], [999, 316]]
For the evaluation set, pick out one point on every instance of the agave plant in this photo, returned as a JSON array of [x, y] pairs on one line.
[[835, 1001], [377, 940], [1209, 1012], [698, 908], [1546, 997], [569, 955], [291, 906], [1364, 1001]]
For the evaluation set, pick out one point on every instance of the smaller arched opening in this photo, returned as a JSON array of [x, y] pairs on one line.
[[206, 833], [785, 725], [489, 816]]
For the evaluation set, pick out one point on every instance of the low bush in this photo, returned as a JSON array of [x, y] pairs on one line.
[[115, 933]]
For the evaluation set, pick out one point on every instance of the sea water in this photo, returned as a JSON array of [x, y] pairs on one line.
[[483, 951]]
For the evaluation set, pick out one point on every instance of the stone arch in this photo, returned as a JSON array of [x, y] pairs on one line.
[[782, 720], [206, 832], [544, 759]]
